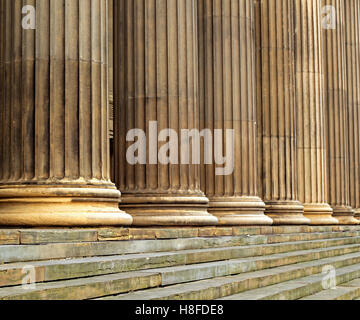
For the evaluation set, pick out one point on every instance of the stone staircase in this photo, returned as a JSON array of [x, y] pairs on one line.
[[250, 264]]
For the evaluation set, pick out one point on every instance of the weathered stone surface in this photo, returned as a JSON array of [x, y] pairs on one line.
[[84, 288], [276, 111], [225, 286], [157, 82], [113, 234], [227, 101], [60, 236], [310, 106], [9, 237], [54, 146], [176, 233]]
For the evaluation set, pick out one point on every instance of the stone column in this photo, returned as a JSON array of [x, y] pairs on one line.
[[311, 143], [276, 107], [156, 92], [54, 166], [352, 19], [227, 100], [337, 113]]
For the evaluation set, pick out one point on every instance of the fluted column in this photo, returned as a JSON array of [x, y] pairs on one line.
[[156, 92], [53, 111], [276, 103], [352, 19], [311, 143], [337, 116], [227, 100]]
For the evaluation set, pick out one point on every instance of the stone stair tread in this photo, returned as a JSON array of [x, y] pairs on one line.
[[340, 293], [107, 285], [179, 289], [269, 292], [158, 254], [23, 253], [73, 283], [111, 252], [169, 264], [346, 291]]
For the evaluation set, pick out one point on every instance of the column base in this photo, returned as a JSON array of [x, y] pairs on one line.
[[165, 210], [345, 215], [357, 214], [286, 213], [60, 206], [319, 214], [239, 211]]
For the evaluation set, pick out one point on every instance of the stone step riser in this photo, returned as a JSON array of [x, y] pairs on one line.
[[11, 275], [25, 253], [60, 235]]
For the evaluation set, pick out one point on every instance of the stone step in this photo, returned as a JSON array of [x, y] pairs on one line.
[[106, 285], [347, 291], [183, 274], [219, 287], [11, 236], [13, 273], [299, 288], [25, 253]]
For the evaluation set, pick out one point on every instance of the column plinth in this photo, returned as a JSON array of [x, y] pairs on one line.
[[311, 139], [227, 102], [156, 84], [275, 75], [53, 115], [337, 113]]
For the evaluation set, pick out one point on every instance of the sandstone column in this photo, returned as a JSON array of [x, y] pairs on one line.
[[311, 143], [337, 114], [54, 166], [156, 92], [352, 19], [276, 103], [227, 100]]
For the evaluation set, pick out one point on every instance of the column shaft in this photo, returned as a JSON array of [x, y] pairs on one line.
[[337, 115], [276, 107], [156, 92], [311, 143], [227, 102], [53, 111], [352, 18]]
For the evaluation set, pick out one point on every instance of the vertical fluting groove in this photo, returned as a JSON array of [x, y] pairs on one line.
[[72, 133], [276, 107], [337, 115], [227, 102], [2, 91], [311, 152], [352, 20], [53, 99], [28, 101], [2, 80], [156, 81]]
